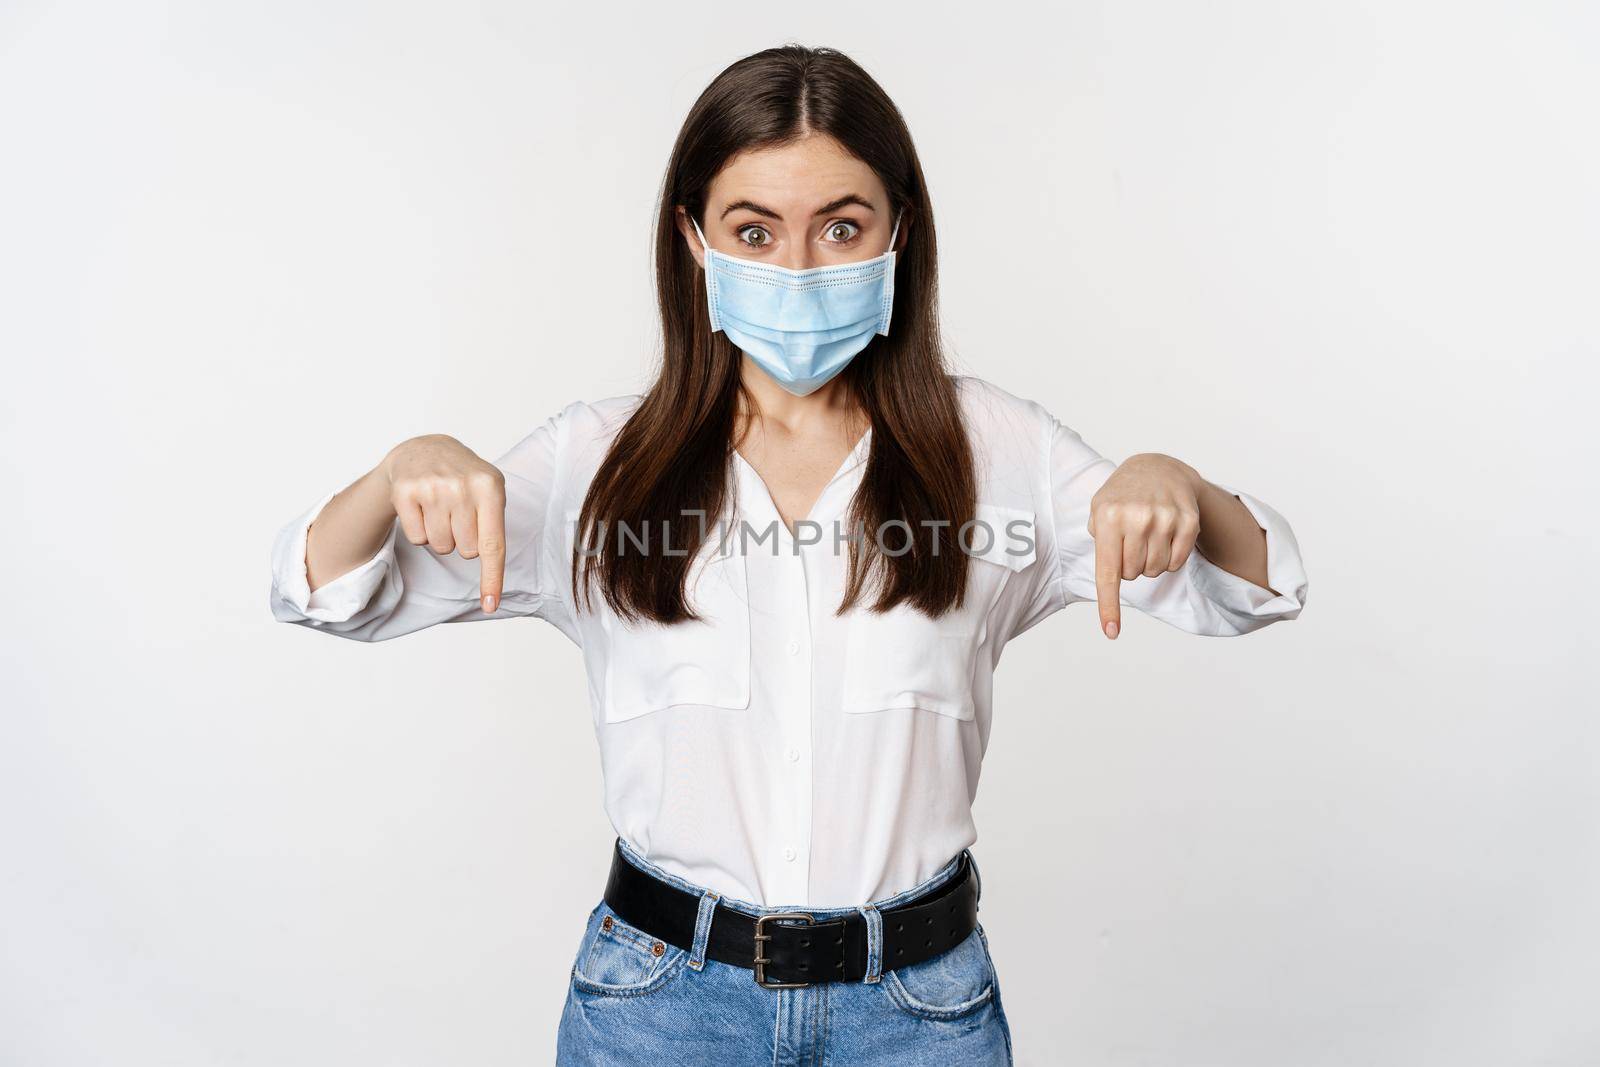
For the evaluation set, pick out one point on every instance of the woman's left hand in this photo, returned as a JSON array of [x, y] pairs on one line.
[[1144, 520]]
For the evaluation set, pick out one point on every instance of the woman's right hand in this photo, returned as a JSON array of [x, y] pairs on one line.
[[452, 500]]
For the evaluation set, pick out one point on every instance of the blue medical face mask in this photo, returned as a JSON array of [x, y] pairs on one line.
[[800, 326]]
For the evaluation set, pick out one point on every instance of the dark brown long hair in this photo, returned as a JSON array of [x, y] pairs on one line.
[[669, 463]]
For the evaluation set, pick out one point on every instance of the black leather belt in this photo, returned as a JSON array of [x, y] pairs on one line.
[[795, 950]]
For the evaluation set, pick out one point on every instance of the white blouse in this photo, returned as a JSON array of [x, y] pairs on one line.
[[774, 751]]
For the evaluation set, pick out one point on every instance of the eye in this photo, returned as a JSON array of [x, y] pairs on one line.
[[755, 236], [842, 232]]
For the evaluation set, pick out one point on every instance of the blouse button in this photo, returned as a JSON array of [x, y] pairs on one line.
[[794, 648], [793, 754], [788, 853]]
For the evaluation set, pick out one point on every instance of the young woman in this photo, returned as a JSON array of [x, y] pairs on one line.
[[791, 565]]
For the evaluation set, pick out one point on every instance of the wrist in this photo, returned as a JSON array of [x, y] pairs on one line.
[[378, 485], [385, 469]]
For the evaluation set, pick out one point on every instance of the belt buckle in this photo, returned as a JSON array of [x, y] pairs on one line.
[[762, 961]]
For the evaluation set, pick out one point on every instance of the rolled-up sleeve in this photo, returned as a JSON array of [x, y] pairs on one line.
[[1199, 597], [337, 601], [405, 587], [1245, 605]]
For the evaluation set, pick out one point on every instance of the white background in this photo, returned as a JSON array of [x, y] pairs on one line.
[[1341, 255]]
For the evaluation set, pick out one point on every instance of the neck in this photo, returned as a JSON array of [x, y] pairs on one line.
[[764, 400]]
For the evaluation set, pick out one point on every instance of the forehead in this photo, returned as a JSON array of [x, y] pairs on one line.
[[797, 177]]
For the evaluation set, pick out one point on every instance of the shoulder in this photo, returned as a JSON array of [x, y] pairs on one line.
[[988, 406], [573, 438], [583, 425], [588, 423], [1008, 428], [1014, 433], [1010, 438]]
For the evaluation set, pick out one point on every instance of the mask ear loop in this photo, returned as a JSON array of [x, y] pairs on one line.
[[888, 281], [711, 279]]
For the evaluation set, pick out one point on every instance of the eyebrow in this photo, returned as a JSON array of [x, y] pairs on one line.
[[832, 205]]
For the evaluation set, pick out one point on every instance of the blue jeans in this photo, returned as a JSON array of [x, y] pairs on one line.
[[628, 1005]]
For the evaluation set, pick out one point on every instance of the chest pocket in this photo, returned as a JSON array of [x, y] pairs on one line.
[[648, 666], [903, 659]]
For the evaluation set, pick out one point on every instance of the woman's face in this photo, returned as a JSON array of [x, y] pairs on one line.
[[801, 205]]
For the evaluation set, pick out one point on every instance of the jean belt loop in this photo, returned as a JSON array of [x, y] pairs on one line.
[[702, 929], [874, 942], [976, 877]]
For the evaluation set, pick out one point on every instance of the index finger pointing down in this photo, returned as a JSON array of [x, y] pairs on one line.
[[1108, 579], [491, 552]]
